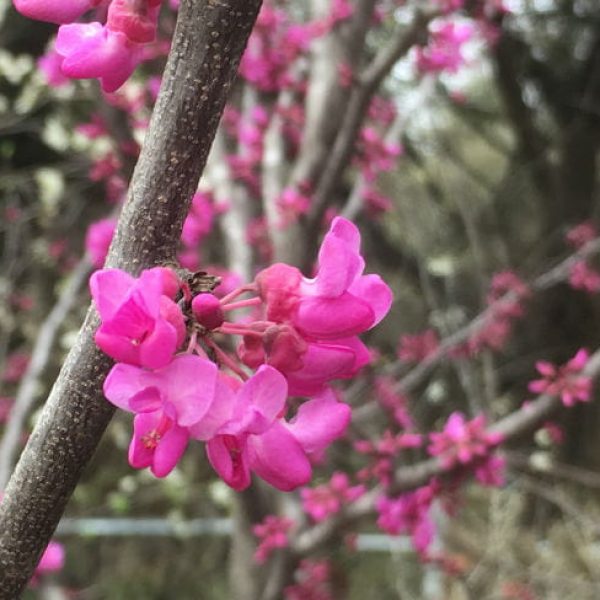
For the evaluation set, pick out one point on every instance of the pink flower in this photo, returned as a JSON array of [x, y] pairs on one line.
[[291, 204], [328, 499], [6, 405], [55, 11], [272, 533], [374, 155], [167, 402], [462, 441], [393, 401], [98, 238], [583, 277], [137, 20], [491, 471], [566, 381], [50, 65], [141, 325], [91, 50], [207, 311], [507, 283], [328, 311], [581, 234], [415, 348], [15, 367], [444, 51], [199, 221], [409, 513], [312, 581], [53, 559], [250, 434]]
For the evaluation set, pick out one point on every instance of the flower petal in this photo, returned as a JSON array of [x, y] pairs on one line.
[[278, 458], [320, 421]]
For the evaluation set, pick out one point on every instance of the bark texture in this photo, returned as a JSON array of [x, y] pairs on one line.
[[208, 42]]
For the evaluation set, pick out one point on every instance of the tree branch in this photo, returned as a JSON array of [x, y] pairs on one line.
[[208, 42], [39, 359], [521, 422], [368, 84]]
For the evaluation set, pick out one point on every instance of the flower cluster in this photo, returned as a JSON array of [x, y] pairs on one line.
[[505, 301], [303, 336], [109, 52], [272, 533], [417, 347], [328, 499], [313, 581], [444, 51], [566, 381], [409, 514], [469, 444]]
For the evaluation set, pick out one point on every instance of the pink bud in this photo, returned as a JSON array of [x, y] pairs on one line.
[[207, 310]]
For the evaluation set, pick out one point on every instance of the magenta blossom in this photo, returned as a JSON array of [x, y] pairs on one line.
[[91, 50], [199, 221], [250, 434], [462, 441], [272, 533], [327, 499], [583, 277], [313, 581], [50, 65], [316, 320], [98, 238], [444, 51], [55, 11], [141, 325], [409, 514], [581, 234], [53, 559], [167, 402], [566, 381], [417, 347]]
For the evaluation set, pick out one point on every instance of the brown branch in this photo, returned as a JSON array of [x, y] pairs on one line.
[[208, 42], [367, 85]]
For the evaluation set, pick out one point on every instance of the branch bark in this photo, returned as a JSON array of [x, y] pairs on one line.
[[208, 42]]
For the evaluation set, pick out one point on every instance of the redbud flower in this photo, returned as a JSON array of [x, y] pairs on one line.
[[328, 310], [91, 50], [141, 325], [55, 11], [167, 402], [462, 441], [409, 513], [324, 500], [444, 51], [581, 234], [415, 348], [583, 277], [566, 381], [98, 238], [272, 533], [251, 436]]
